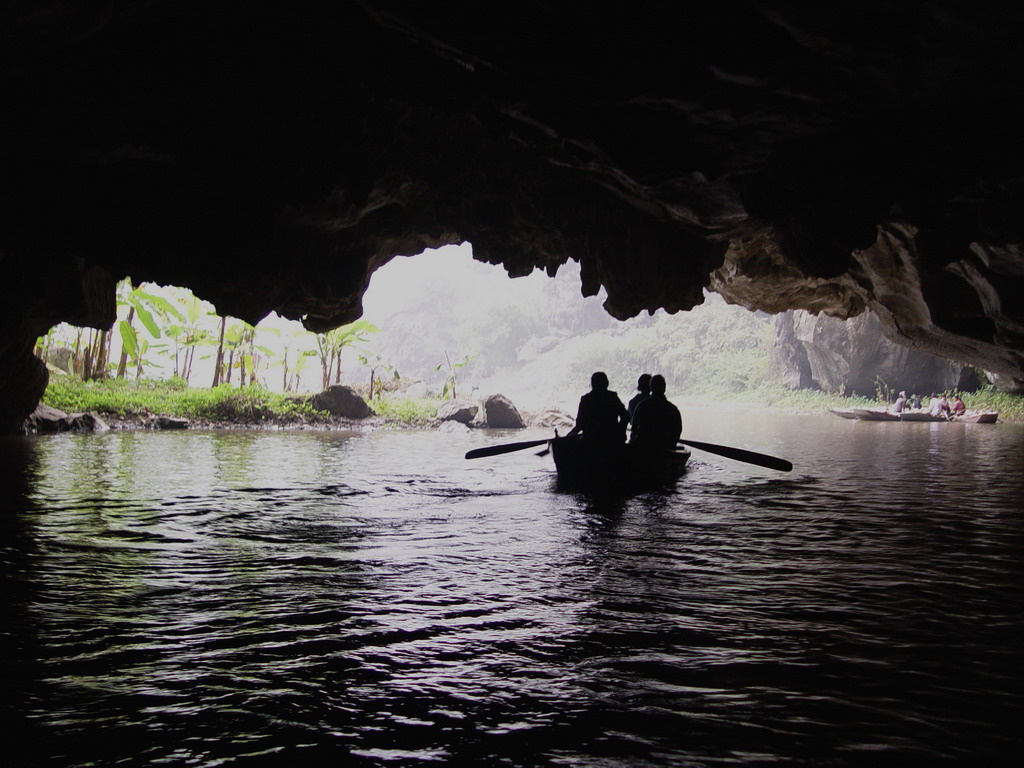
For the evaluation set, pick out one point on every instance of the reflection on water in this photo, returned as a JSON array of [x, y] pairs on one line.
[[268, 598]]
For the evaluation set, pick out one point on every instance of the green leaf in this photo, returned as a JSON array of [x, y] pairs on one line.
[[160, 304], [129, 339], [147, 320]]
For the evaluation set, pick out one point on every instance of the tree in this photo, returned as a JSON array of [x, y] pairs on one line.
[[330, 345]]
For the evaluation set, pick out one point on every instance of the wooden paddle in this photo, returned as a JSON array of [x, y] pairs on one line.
[[739, 454], [497, 450]]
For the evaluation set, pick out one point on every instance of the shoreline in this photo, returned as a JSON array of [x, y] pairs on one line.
[[264, 417]]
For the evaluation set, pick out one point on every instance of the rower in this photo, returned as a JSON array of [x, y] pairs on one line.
[[601, 417], [657, 423], [643, 386]]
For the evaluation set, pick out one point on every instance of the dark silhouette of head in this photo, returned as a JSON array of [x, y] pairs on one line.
[[657, 384], [599, 381], [644, 383]]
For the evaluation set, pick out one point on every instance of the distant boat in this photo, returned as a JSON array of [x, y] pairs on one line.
[[979, 417], [871, 414], [921, 416], [877, 414], [844, 413]]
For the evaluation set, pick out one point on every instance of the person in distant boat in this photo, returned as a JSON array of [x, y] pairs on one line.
[[643, 386], [915, 401], [657, 424], [934, 406], [958, 408], [601, 417], [943, 408], [901, 403]]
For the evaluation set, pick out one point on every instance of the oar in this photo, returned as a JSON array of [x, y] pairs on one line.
[[739, 454], [496, 450]]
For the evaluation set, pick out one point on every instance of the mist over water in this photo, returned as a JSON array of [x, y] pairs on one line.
[[374, 599]]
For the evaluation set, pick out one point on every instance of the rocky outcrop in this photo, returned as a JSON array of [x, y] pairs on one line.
[[833, 158], [341, 401], [853, 357], [501, 413]]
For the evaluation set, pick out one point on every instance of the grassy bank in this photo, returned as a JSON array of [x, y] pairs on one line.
[[252, 405], [127, 399]]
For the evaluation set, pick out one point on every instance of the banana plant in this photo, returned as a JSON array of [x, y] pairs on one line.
[[149, 308], [189, 334], [375, 364], [330, 345], [453, 373]]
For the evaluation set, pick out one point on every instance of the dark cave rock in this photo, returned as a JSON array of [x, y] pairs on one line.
[[830, 158]]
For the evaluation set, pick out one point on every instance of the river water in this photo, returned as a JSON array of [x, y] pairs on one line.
[[261, 598]]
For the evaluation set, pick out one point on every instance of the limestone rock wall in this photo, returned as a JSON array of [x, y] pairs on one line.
[[853, 356]]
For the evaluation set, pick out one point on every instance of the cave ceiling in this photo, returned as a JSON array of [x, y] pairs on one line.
[[830, 157]]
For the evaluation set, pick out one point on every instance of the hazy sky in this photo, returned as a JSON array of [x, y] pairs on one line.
[[399, 283]]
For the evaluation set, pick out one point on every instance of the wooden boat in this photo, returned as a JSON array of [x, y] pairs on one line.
[[979, 417], [871, 414], [844, 413], [624, 468], [921, 416]]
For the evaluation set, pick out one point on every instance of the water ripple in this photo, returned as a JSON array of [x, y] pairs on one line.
[[299, 604]]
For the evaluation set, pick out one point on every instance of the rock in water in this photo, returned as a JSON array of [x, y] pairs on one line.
[[457, 410], [500, 413]]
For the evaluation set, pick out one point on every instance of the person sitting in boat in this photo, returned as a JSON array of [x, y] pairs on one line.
[[901, 403], [656, 424], [601, 417], [643, 385], [915, 401], [958, 408], [941, 407]]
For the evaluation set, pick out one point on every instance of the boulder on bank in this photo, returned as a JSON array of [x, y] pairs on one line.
[[500, 413], [170, 422], [48, 419], [552, 418], [45, 418], [341, 401], [86, 422], [457, 410]]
